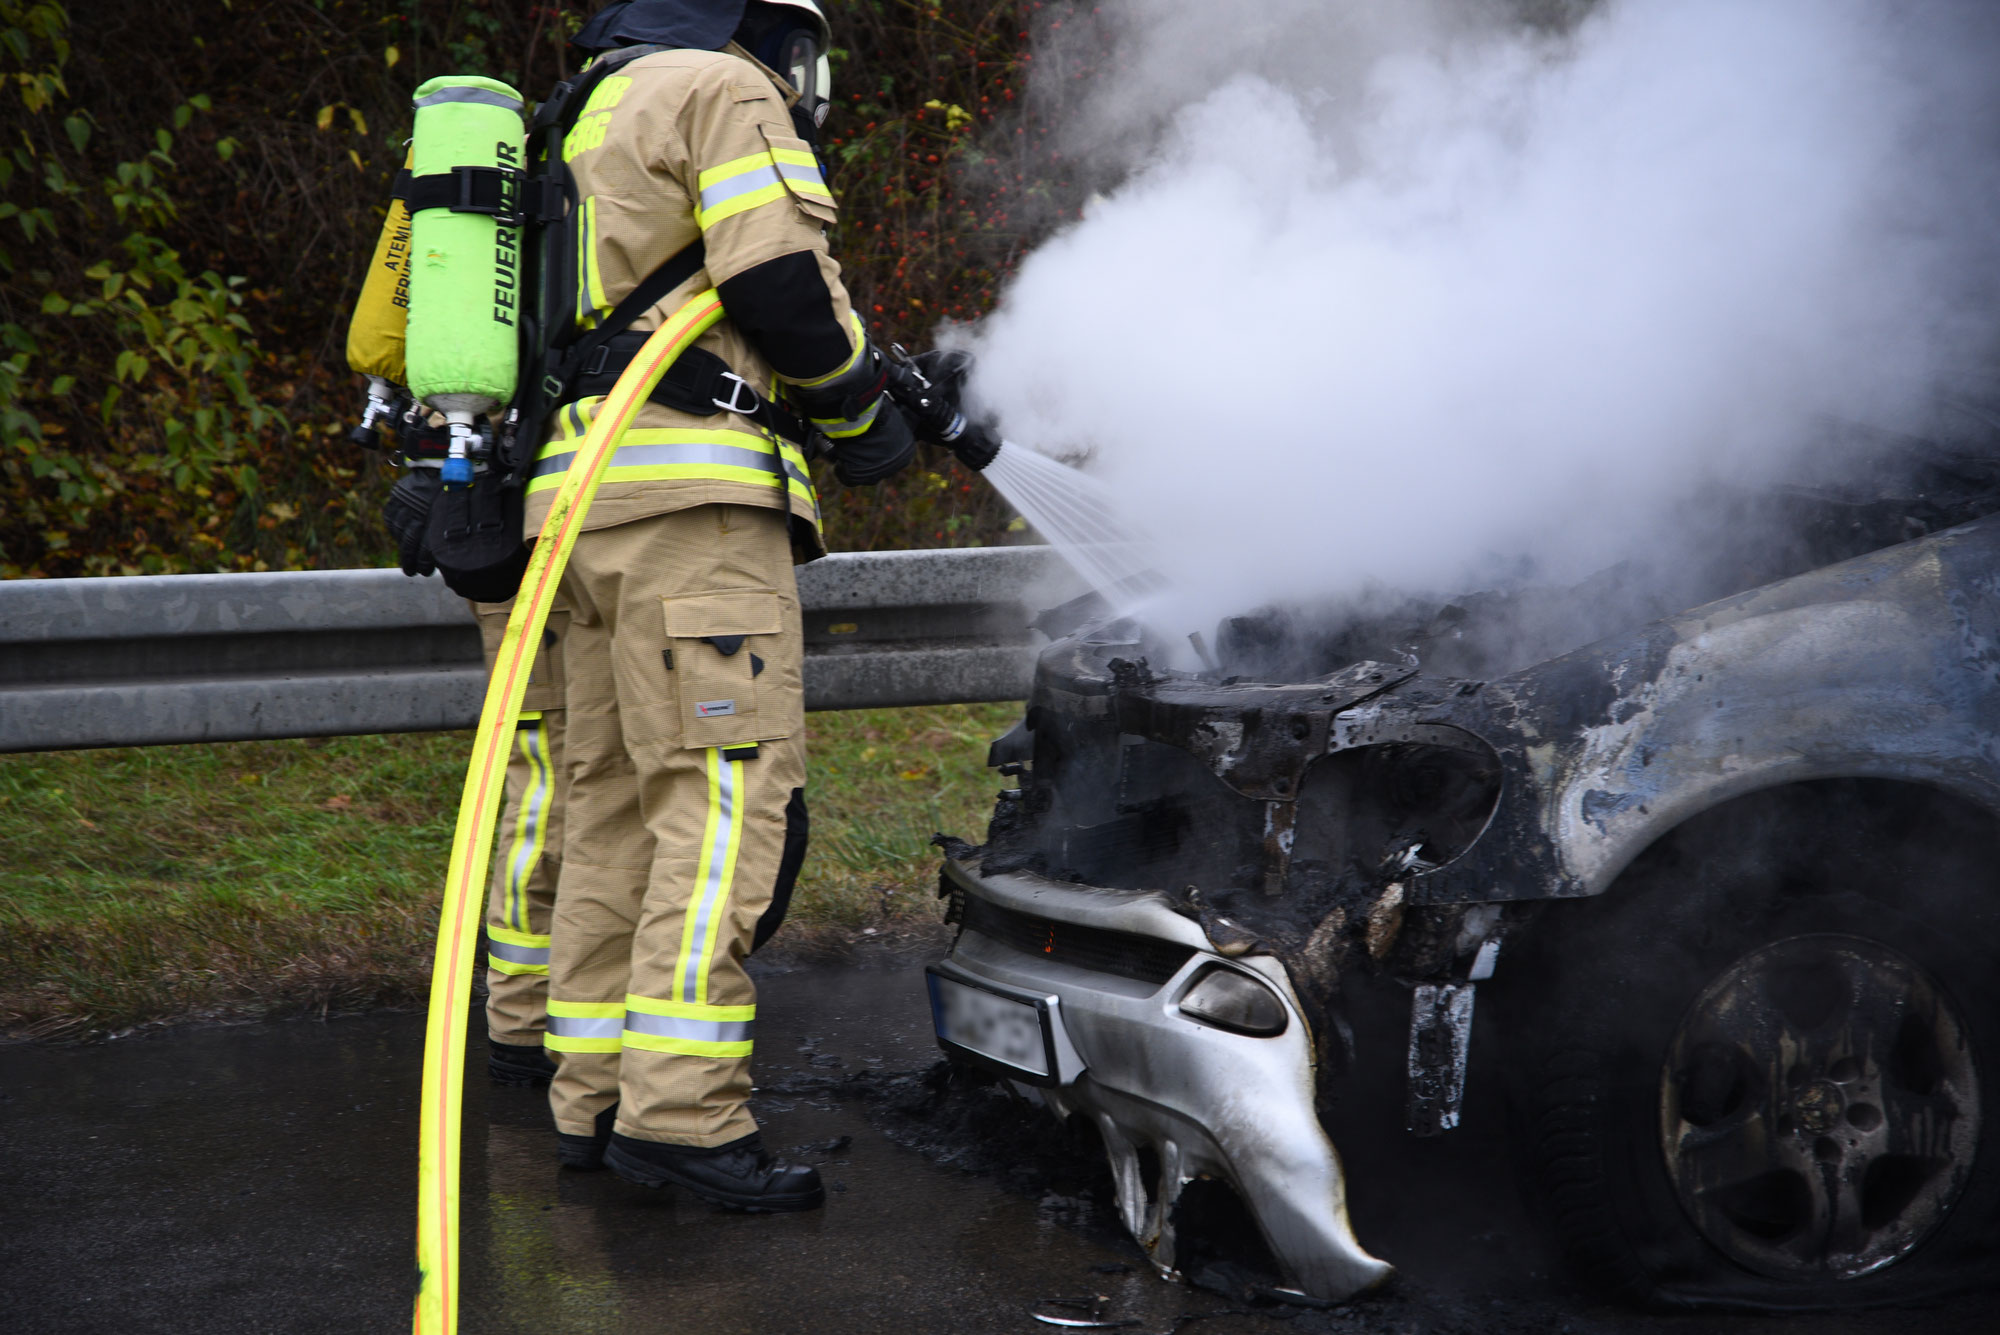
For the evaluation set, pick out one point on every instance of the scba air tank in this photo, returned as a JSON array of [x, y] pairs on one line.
[[463, 349], [376, 334]]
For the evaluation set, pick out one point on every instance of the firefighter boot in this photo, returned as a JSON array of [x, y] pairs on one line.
[[741, 1173], [518, 1064], [586, 1153]]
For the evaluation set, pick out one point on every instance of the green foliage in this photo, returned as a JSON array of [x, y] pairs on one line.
[[158, 414], [270, 877], [153, 360]]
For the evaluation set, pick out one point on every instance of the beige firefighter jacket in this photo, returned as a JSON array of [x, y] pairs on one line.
[[674, 146]]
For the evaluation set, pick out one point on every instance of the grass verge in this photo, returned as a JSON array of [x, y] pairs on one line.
[[261, 878]]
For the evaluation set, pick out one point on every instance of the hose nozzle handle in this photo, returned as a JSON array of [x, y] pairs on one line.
[[928, 388]]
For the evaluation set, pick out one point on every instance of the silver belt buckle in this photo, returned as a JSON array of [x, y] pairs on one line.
[[740, 389]]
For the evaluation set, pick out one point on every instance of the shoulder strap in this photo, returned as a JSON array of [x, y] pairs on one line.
[[577, 348], [547, 198]]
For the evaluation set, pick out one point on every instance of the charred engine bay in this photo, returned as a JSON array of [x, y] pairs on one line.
[[1314, 791]]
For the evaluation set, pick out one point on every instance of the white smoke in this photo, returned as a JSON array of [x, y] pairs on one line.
[[1406, 296]]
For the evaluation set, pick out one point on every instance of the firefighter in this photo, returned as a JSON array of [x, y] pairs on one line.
[[684, 757], [525, 865]]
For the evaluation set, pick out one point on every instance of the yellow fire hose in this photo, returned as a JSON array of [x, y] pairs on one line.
[[464, 894]]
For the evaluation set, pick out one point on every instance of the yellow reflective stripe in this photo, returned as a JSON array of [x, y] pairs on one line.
[[686, 1047], [732, 787], [555, 1042], [723, 171], [837, 428], [716, 874], [737, 187], [584, 1026], [531, 830], [699, 453], [801, 169], [686, 1009], [860, 344], [513, 952], [574, 421], [639, 438], [684, 964], [587, 1010], [749, 477], [590, 282], [719, 1030], [798, 157], [743, 203]]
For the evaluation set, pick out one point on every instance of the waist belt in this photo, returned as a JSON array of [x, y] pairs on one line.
[[699, 383]]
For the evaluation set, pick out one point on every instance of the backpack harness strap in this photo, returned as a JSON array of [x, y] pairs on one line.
[[699, 382], [510, 197]]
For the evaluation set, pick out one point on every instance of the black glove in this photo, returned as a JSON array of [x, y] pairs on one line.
[[877, 454], [931, 389], [408, 516], [865, 432]]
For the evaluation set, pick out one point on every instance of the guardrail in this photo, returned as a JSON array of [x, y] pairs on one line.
[[156, 659]]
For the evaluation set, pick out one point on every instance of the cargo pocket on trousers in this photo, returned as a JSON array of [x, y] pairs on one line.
[[712, 639], [545, 677]]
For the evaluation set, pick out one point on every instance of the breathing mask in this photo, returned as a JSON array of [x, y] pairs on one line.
[[792, 37]]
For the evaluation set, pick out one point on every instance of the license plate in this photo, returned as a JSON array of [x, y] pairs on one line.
[[1001, 1029]]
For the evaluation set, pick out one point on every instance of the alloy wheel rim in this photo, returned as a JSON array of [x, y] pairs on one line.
[[1819, 1108]]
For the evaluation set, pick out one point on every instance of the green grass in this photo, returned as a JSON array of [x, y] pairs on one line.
[[268, 877]]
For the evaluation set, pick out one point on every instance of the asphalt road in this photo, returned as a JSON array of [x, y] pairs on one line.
[[262, 1178]]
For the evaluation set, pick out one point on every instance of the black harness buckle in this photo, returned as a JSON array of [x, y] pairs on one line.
[[489, 190]]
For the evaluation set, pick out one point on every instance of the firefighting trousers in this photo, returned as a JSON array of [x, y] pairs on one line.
[[527, 856], [685, 704]]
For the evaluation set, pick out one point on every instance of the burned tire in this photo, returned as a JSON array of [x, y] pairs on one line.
[[1757, 1071]]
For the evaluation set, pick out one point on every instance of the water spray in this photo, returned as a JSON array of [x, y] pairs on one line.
[[1068, 507]]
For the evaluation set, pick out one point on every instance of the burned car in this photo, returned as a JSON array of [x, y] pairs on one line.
[[1723, 883]]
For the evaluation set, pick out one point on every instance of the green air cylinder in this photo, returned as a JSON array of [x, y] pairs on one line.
[[463, 341]]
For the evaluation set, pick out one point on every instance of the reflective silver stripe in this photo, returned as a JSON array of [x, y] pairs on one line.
[[529, 835], [841, 427], [513, 954], [811, 176], [724, 191], [701, 1031], [717, 858], [586, 1026], [483, 96], [640, 456]]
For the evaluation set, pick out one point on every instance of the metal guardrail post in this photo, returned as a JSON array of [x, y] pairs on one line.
[[150, 660]]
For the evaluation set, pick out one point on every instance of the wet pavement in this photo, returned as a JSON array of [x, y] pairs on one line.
[[262, 1178]]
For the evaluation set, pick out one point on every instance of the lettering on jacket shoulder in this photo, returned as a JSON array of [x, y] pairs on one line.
[[595, 118]]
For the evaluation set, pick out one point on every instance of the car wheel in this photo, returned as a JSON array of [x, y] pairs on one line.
[[1757, 1071]]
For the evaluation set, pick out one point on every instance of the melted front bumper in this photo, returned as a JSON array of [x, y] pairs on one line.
[[1206, 1101]]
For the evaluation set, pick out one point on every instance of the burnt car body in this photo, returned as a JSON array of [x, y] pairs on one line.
[[1721, 882]]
